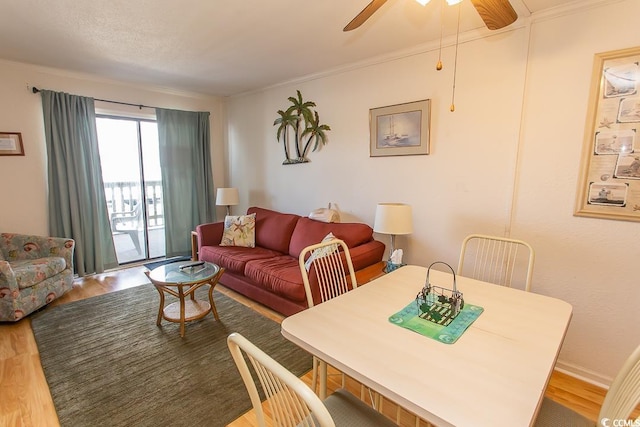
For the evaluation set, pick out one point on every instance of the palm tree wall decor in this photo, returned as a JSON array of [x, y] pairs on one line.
[[304, 122]]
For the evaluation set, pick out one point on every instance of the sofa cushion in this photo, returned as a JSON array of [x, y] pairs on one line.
[[239, 231], [234, 258], [32, 272], [280, 275], [273, 229], [309, 232]]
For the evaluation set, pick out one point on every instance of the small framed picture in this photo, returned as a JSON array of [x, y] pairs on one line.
[[629, 110], [614, 141], [11, 144], [627, 166], [608, 194], [400, 130]]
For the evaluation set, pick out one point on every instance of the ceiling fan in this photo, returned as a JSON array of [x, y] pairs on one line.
[[496, 14]]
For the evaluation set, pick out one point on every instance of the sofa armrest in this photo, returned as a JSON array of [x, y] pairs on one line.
[[27, 247], [210, 234], [367, 254]]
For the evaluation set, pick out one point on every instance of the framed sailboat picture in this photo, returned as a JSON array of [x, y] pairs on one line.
[[400, 130]]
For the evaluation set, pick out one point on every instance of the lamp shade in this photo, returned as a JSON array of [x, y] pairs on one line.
[[227, 197], [393, 218]]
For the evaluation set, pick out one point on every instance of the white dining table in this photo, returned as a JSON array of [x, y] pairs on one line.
[[495, 374]]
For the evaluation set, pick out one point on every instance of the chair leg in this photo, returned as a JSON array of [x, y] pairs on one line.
[[135, 239]]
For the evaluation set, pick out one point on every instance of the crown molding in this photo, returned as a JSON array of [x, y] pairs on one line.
[[95, 78]]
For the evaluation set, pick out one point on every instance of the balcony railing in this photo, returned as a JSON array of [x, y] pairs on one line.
[[123, 196]]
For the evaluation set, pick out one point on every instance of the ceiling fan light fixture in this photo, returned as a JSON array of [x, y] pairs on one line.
[[496, 14]]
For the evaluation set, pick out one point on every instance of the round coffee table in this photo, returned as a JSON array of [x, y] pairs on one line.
[[181, 281]]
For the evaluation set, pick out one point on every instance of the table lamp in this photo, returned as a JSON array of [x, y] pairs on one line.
[[227, 197], [393, 219]]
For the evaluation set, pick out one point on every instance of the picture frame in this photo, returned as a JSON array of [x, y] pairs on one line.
[[400, 130], [11, 144], [609, 181]]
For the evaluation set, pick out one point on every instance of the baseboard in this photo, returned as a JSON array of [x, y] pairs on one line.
[[584, 374]]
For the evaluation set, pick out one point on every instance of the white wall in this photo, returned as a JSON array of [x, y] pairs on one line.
[[591, 263], [524, 91], [23, 188]]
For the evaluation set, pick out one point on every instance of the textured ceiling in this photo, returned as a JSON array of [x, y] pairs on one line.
[[221, 47]]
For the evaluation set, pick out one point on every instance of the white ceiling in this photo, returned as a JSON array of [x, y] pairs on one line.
[[221, 47]]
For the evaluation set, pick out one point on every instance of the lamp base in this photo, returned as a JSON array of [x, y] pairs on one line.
[[393, 245]]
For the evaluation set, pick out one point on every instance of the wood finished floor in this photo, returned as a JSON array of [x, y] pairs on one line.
[[26, 401]]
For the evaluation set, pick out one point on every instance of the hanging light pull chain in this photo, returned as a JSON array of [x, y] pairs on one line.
[[439, 64], [455, 65]]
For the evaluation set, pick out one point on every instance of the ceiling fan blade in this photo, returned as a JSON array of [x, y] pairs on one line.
[[496, 14], [364, 15]]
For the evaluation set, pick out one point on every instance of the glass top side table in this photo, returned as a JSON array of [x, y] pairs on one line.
[[181, 280]]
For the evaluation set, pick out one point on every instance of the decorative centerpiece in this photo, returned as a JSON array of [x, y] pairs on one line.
[[437, 304]]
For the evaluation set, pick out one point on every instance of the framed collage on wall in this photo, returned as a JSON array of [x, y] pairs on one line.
[[609, 185]]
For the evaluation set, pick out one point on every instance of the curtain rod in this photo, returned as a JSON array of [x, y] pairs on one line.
[[141, 106]]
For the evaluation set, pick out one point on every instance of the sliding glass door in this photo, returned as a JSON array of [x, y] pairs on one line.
[[132, 181]]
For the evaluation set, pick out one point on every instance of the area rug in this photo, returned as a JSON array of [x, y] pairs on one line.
[[108, 364]]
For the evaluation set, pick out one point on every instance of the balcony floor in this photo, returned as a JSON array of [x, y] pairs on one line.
[[126, 250]]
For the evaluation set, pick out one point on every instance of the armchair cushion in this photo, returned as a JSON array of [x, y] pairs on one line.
[[29, 273]]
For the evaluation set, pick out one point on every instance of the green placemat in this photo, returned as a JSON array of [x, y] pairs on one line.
[[408, 318]]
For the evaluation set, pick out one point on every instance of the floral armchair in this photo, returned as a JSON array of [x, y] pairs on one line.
[[34, 270]]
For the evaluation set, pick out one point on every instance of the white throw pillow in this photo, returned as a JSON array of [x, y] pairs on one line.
[[321, 252], [239, 231]]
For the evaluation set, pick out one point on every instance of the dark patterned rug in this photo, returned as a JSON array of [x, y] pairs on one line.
[[108, 364]]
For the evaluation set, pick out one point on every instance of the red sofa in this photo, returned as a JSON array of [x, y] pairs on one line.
[[269, 273]]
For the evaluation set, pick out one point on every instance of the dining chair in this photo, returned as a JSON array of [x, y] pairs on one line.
[[330, 275], [619, 402], [498, 260], [290, 401]]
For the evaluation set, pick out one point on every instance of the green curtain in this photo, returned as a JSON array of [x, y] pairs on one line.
[[77, 204], [187, 182]]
